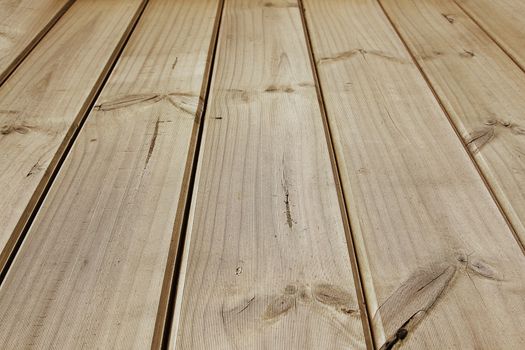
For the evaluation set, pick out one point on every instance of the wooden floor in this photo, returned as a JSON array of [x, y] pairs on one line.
[[262, 174]]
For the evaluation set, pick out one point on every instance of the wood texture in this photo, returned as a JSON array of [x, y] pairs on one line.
[[480, 87], [503, 21], [266, 264], [440, 267], [89, 273], [22, 24], [42, 103]]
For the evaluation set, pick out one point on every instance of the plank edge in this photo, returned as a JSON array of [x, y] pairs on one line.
[[455, 129], [8, 253], [11, 67], [166, 308], [356, 271]]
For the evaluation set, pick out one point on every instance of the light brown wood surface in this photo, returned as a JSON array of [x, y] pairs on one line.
[[503, 21], [89, 273], [266, 264], [441, 268], [43, 102], [22, 24], [481, 88]]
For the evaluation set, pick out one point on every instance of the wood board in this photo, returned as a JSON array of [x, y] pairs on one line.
[[95, 257], [503, 22], [435, 254], [481, 89], [266, 262], [44, 101], [22, 25]]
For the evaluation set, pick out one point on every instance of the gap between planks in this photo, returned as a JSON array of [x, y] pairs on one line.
[[469, 15], [181, 327], [17, 237], [356, 271], [33, 43], [166, 309], [449, 118]]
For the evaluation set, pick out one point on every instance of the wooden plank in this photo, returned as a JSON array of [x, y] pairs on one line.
[[480, 87], [266, 262], [22, 24], [503, 21], [43, 102], [440, 267], [90, 271]]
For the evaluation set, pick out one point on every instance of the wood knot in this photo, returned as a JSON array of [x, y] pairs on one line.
[[18, 128], [290, 289], [280, 88], [479, 267], [278, 306], [479, 137], [331, 295], [280, 5], [401, 333]]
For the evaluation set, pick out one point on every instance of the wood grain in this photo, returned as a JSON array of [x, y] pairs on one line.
[[481, 89], [266, 264], [440, 267], [503, 21], [90, 271], [43, 102], [22, 24]]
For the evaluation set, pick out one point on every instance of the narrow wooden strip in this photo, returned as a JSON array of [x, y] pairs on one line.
[[165, 314], [480, 87], [503, 22], [22, 25], [44, 101], [440, 267], [365, 319], [90, 271], [266, 263]]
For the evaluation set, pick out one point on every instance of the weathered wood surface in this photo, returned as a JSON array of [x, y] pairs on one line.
[[440, 266], [43, 102], [90, 271], [266, 262], [481, 88], [503, 21], [22, 24]]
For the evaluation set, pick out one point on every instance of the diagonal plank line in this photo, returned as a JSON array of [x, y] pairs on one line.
[[458, 134], [469, 15], [341, 195], [10, 69], [15, 241], [165, 313]]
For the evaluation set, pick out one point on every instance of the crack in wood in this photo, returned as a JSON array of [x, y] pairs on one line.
[[449, 18], [35, 168], [152, 142], [247, 305], [467, 53], [411, 302], [284, 183]]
